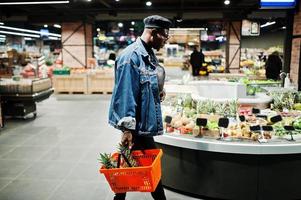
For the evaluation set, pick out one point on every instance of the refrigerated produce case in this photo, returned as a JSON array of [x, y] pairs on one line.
[[231, 170], [244, 164], [19, 97]]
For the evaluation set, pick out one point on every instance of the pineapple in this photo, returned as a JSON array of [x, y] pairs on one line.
[[201, 107], [127, 153], [107, 161], [211, 106], [233, 107], [222, 109]]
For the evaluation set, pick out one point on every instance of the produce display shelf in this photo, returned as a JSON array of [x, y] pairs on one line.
[[231, 170], [23, 105], [274, 146]]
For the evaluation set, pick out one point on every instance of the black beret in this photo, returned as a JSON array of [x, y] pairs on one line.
[[156, 21]]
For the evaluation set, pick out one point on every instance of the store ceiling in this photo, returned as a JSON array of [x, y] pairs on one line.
[[108, 9]]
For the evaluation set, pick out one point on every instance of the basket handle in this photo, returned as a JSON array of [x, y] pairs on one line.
[[125, 158]]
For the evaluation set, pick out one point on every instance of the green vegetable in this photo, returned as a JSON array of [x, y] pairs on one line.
[[297, 123], [212, 125]]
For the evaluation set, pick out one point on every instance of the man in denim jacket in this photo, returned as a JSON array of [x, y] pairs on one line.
[[135, 106]]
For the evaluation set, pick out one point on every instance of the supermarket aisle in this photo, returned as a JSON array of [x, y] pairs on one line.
[[54, 157]]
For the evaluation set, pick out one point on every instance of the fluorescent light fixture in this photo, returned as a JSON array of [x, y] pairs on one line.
[[283, 27], [120, 25], [268, 24], [1, 23], [133, 23], [89, 0], [29, 31], [27, 38], [117, 0], [227, 2], [45, 26], [148, 3], [20, 34], [57, 26], [132, 29], [33, 2], [2, 36], [53, 38]]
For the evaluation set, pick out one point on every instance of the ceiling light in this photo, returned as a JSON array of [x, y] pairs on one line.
[[120, 25], [132, 29], [53, 38], [1, 23], [2, 36], [133, 23], [227, 2], [27, 38], [45, 26], [283, 27], [268, 24], [57, 26], [29, 31], [148, 3], [89, 0], [98, 29], [117, 0], [20, 34], [33, 2]]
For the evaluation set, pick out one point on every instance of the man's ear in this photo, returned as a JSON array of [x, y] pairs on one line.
[[154, 32]]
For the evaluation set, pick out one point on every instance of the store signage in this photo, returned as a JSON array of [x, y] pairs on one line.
[[250, 28], [277, 4]]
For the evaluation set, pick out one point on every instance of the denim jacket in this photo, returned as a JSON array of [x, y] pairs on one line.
[[135, 103]]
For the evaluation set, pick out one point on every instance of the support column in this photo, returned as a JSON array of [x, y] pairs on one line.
[[76, 43], [233, 46], [295, 51]]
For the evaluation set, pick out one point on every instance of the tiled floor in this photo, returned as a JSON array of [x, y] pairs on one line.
[[54, 157]]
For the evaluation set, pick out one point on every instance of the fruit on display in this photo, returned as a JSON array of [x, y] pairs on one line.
[[283, 99], [28, 71], [184, 111], [203, 73], [80, 70], [247, 63], [251, 90], [297, 106], [297, 123]]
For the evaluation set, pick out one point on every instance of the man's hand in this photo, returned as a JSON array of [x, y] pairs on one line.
[[162, 95], [126, 139]]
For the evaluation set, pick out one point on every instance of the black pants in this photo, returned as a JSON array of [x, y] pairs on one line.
[[142, 143]]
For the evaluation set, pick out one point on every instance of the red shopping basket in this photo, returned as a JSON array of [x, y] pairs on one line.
[[144, 178]]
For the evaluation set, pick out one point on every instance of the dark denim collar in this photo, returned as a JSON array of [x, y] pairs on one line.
[[141, 47]]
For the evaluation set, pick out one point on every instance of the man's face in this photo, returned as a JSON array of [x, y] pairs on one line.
[[160, 36]]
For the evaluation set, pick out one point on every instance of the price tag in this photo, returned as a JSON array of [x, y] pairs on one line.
[[223, 122], [242, 118], [201, 122], [168, 119], [276, 118]]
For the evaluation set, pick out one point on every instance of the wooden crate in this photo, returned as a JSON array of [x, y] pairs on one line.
[[100, 83], [76, 83]]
